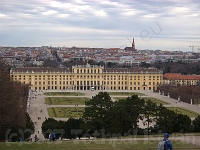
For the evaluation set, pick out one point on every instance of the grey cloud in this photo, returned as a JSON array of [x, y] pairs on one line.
[[125, 18]]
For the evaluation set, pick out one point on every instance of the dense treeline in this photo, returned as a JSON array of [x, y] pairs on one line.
[[183, 93], [13, 97], [50, 63], [166, 67], [105, 118], [178, 67]]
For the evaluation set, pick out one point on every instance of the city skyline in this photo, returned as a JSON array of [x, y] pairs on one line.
[[154, 24]]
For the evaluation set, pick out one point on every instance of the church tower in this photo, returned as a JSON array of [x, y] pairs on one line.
[[133, 45]]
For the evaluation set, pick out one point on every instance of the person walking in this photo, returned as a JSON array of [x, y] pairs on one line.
[[168, 142], [53, 135], [165, 144]]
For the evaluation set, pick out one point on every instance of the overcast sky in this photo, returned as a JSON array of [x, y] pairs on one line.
[[155, 24]]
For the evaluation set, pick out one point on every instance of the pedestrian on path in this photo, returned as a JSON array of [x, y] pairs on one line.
[[165, 144]]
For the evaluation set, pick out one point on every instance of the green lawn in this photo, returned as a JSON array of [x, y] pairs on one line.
[[65, 112], [157, 101], [125, 93], [66, 100], [100, 144], [64, 94], [184, 111]]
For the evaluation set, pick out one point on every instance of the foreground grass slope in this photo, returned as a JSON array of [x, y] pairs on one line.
[[101, 144]]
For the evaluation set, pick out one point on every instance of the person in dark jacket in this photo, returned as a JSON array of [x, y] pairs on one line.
[[168, 142]]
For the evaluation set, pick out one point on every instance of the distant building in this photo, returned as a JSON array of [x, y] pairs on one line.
[[83, 77], [127, 60], [131, 48], [179, 79]]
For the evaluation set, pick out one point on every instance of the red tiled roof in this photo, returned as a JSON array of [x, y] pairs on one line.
[[114, 48], [178, 76]]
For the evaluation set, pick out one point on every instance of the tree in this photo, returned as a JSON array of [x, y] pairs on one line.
[[51, 125], [13, 103], [149, 111], [73, 128], [182, 123], [165, 119], [50, 63], [134, 107], [145, 65], [29, 126], [96, 111], [196, 124], [117, 121]]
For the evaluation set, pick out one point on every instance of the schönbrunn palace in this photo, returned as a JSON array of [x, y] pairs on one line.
[[83, 77]]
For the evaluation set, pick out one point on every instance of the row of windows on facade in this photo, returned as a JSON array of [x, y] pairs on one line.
[[87, 70], [84, 76], [93, 83], [91, 71], [97, 88], [108, 78], [71, 79]]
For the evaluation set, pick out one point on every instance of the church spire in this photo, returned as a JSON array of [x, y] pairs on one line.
[[133, 44]]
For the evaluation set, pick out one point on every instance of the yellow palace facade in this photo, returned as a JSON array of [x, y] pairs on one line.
[[85, 77]]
